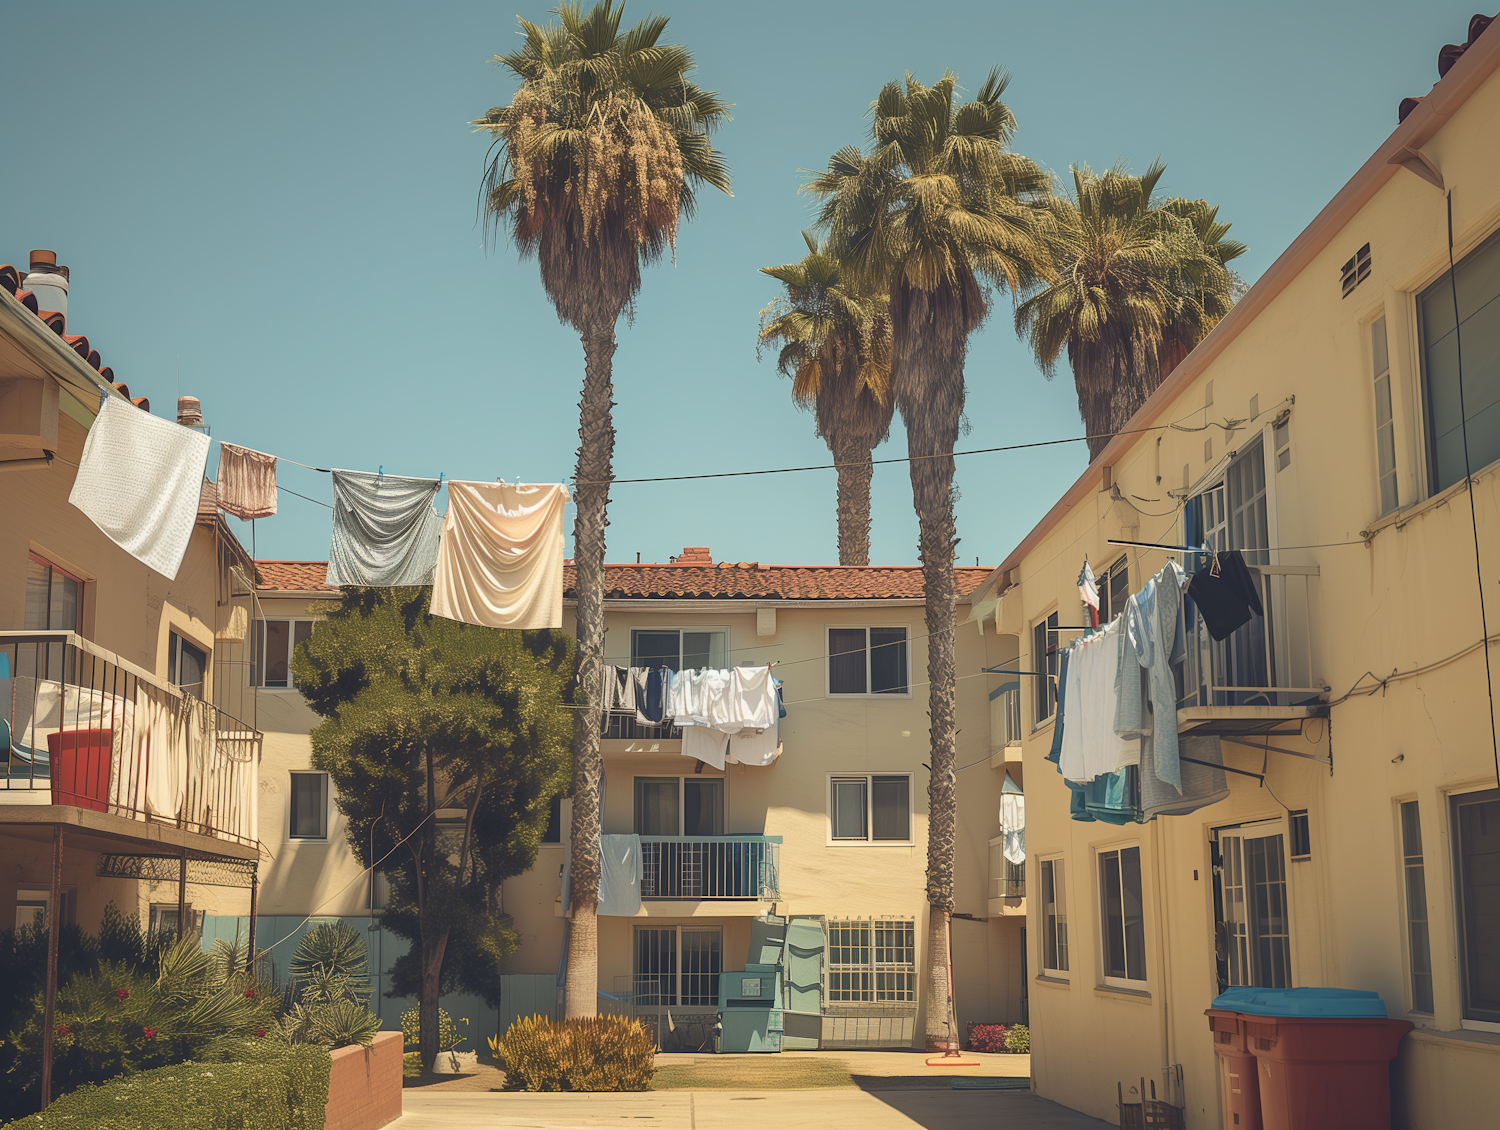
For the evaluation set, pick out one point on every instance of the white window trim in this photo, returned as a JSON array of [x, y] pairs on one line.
[[259, 661], [707, 775], [1104, 979], [327, 836], [1038, 664], [868, 778], [1055, 974], [1455, 910], [628, 659], [828, 691]]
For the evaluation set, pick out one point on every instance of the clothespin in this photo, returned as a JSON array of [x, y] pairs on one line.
[[440, 480], [380, 476]]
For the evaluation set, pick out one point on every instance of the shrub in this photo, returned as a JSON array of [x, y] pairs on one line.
[[329, 987], [597, 1053], [449, 1036], [1018, 1039], [986, 1037], [268, 1086]]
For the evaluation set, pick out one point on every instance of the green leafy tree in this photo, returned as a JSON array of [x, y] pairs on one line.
[[835, 343], [596, 159], [423, 715], [938, 212], [1135, 284]]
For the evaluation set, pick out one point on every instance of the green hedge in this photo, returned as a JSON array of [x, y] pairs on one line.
[[259, 1085]]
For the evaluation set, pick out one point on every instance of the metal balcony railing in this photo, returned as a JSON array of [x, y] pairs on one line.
[[716, 867], [1005, 715], [1007, 879], [621, 726], [1266, 662], [97, 732]]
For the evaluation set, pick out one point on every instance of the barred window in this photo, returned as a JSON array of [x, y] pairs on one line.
[[872, 961]]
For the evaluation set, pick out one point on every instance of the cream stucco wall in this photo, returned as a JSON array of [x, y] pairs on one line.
[[1403, 595]]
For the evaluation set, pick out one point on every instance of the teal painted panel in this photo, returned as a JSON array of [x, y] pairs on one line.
[[767, 938], [804, 965]]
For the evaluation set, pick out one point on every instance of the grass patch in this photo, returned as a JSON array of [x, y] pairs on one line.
[[775, 1073]]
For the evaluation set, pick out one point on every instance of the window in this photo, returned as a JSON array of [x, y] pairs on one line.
[[680, 650], [870, 809], [164, 918], [1476, 825], [678, 965], [872, 961], [1114, 590], [54, 602], [552, 834], [1301, 835], [679, 806], [1044, 661], [1418, 951], [186, 664], [1385, 428], [1054, 918], [1252, 934], [1122, 917], [1477, 280], [1281, 443], [273, 645], [29, 904], [1355, 271], [309, 811], [867, 661]]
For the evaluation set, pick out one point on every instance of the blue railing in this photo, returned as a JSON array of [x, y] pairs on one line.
[[711, 867]]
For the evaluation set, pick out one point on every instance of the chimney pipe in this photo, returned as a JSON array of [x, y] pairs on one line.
[[48, 282], [189, 412]]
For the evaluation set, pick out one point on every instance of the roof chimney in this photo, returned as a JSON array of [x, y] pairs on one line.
[[190, 412], [694, 555], [48, 282]]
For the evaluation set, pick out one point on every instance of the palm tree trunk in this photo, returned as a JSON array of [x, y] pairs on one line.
[[855, 469], [596, 436]]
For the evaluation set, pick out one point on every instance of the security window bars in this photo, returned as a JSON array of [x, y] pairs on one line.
[[1476, 825], [867, 661], [871, 809], [309, 811], [1122, 916], [1385, 428], [678, 649], [1418, 949], [1477, 280], [872, 961], [677, 965], [1044, 660], [1054, 917], [272, 648]]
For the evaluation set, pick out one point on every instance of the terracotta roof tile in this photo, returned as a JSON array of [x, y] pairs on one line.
[[294, 576]]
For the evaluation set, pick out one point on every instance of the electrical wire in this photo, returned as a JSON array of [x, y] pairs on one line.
[[303, 497]]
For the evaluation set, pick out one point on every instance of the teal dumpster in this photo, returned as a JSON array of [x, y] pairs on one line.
[[750, 1010]]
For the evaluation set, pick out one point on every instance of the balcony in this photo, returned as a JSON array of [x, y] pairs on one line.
[[726, 868], [1005, 724], [1262, 673], [1007, 882], [92, 741]]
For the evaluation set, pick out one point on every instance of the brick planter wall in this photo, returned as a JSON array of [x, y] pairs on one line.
[[364, 1085]]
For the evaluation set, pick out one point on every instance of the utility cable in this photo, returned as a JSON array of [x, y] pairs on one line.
[[1463, 417]]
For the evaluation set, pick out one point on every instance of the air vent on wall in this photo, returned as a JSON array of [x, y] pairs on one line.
[[1356, 270]]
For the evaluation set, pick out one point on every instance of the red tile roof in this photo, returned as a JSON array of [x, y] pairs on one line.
[[11, 280], [676, 581], [294, 576]]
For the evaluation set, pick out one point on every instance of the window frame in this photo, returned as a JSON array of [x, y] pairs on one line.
[[1056, 865], [1105, 580], [1409, 862], [1275, 828], [1045, 662], [1106, 979], [679, 929], [871, 993], [680, 631], [1455, 800], [259, 640], [1382, 381], [682, 783], [869, 837], [828, 690], [176, 641], [291, 816], [54, 568]]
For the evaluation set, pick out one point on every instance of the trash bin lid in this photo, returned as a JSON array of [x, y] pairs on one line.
[[1312, 1003]]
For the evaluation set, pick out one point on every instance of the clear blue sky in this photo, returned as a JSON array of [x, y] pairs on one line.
[[278, 199]]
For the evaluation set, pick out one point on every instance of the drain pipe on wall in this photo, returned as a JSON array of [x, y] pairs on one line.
[[1166, 956]]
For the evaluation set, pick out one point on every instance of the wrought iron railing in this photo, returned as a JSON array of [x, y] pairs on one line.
[[620, 726], [1005, 715], [95, 731], [1266, 662], [716, 867], [1007, 879]]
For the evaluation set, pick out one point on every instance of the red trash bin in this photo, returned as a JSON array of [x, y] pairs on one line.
[[80, 763], [1325, 1074], [1239, 1078]]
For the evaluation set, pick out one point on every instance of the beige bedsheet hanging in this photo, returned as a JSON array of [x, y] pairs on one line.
[[500, 561]]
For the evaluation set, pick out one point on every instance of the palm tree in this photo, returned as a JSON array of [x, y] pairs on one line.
[[1135, 284], [939, 210], [835, 344], [596, 159]]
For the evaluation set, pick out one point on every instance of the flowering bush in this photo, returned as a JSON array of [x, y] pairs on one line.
[[986, 1037], [449, 1036], [1018, 1039]]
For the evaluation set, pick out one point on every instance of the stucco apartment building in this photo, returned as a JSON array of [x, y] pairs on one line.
[[103, 659], [1317, 430], [834, 828]]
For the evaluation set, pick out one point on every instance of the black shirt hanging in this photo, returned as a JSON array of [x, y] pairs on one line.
[[1227, 598]]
